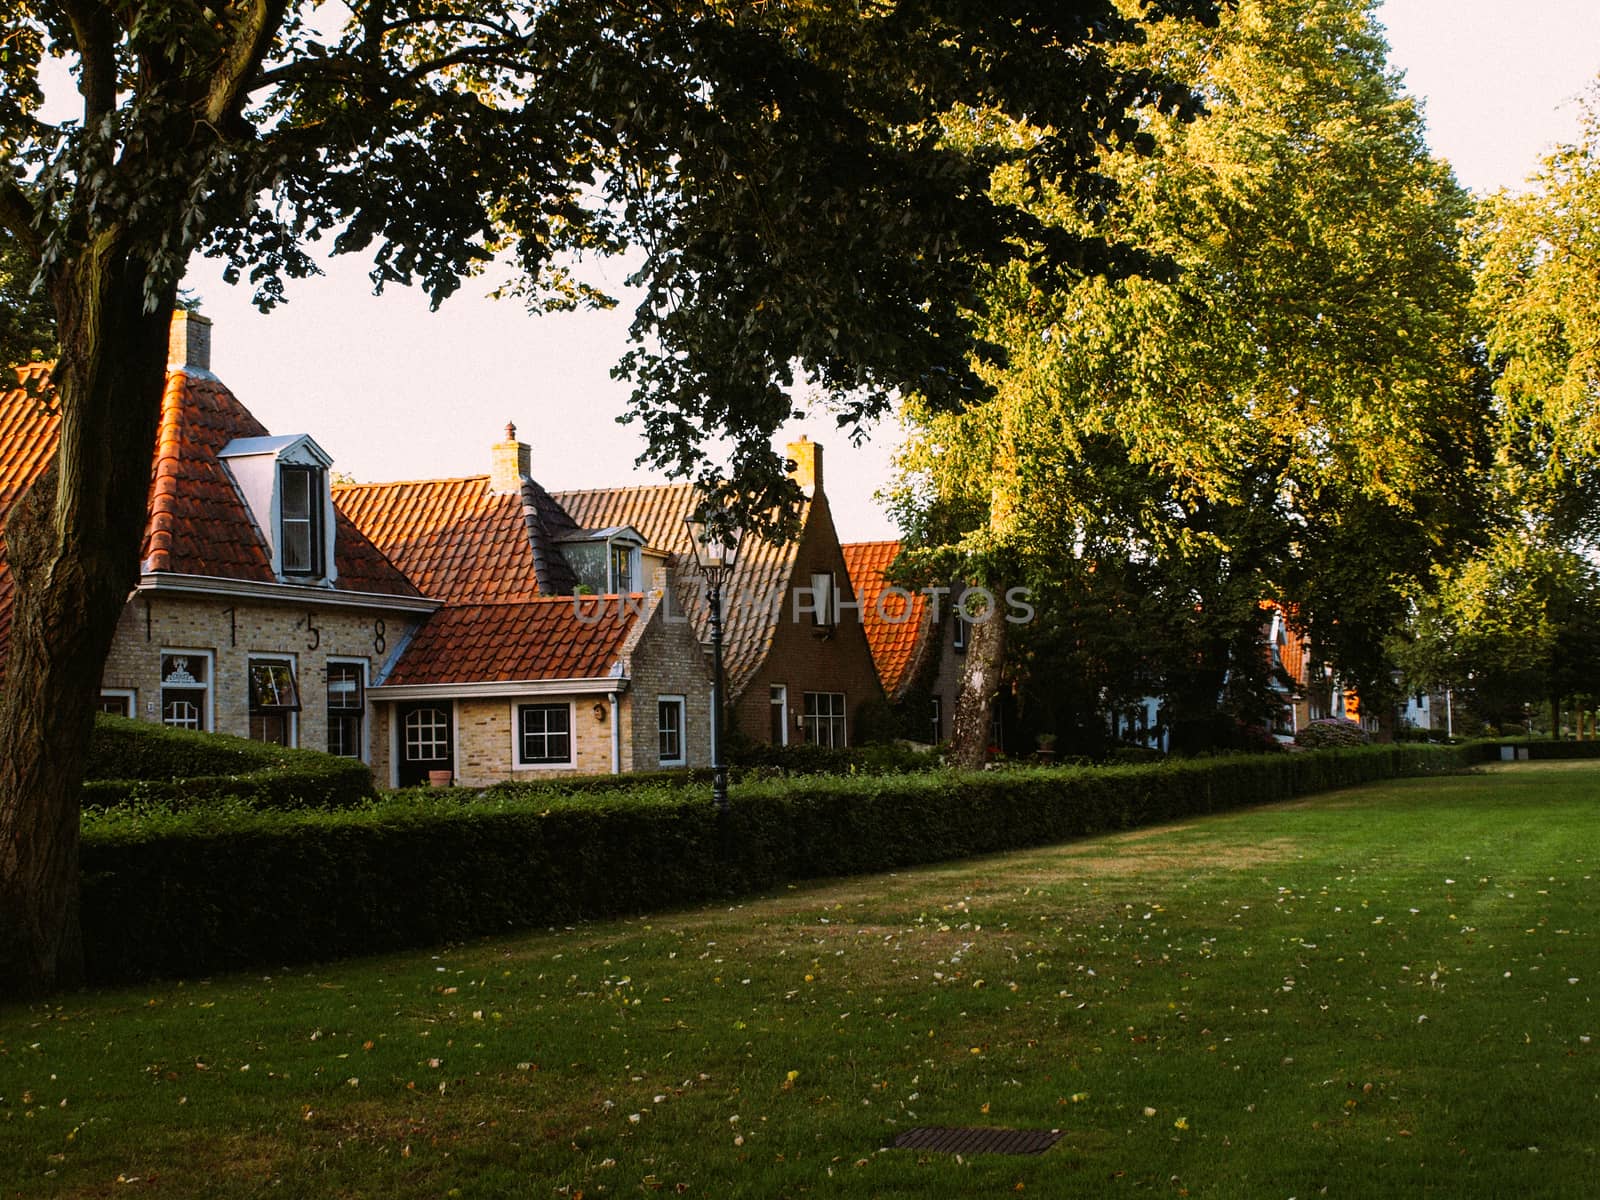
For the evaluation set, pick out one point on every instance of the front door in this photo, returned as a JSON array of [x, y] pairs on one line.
[[425, 741]]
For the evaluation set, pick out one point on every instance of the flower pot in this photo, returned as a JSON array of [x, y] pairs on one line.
[[440, 778]]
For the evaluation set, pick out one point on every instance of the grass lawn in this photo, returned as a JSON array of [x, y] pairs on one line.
[[1383, 992]]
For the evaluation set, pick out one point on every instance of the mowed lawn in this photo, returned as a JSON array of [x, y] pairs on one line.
[[1382, 992]]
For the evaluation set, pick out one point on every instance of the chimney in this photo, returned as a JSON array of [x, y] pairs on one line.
[[512, 462], [807, 471], [189, 342]]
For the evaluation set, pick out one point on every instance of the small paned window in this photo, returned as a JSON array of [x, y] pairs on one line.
[[300, 520], [669, 725], [186, 690], [823, 719], [938, 720], [116, 703], [274, 699], [622, 569], [544, 733], [778, 695], [963, 630], [426, 736], [347, 708]]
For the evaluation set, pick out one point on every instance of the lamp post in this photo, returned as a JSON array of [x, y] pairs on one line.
[[715, 545]]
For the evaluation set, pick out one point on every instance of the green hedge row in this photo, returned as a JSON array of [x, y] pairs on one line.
[[1545, 748], [205, 890], [134, 762]]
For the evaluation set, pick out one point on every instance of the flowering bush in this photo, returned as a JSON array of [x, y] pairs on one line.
[[1331, 733]]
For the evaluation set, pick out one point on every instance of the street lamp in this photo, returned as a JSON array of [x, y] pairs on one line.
[[715, 545]]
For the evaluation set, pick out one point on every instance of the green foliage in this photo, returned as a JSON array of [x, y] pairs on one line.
[[1331, 733], [1296, 414], [1538, 295], [27, 322], [189, 892], [138, 762]]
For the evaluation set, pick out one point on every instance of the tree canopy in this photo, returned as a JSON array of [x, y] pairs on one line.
[[1294, 413], [784, 169]]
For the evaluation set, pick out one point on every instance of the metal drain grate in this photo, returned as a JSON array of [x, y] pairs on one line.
[[977, 1141]]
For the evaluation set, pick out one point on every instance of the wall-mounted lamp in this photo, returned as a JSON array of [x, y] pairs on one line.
[[600, 713]]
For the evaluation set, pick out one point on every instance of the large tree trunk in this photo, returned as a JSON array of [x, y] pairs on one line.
[[980, 684], [73, 546]]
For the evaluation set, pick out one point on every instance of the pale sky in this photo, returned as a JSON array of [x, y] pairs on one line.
[[393, 391]]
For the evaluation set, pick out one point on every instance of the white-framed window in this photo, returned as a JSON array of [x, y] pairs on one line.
[[543, 734], [778, 694], [186, 689], [670, 730], [938, 719], [623, 557], [119, 702], [426, 735], [823, 719], [962, 631], [347, 708], [274, 700], [300, 491], [824, 599]]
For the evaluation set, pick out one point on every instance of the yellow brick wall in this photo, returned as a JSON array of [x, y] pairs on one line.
[[232, 631], [484, 750], [669, 661]]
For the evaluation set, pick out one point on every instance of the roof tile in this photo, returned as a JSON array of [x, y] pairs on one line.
[[893, 625]]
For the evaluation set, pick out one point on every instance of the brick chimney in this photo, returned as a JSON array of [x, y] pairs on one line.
[[807, 456], [189, 342], [511, 463]]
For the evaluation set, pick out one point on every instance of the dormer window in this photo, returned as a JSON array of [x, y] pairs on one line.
[[300, 517], [605, 561], [284, 483]]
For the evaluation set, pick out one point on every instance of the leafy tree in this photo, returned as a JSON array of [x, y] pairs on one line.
[[1517, 625], [27, 324], [1296, 413], [783, 167], [1538, 294]]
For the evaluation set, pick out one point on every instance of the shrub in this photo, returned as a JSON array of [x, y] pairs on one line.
[[1331, 733], [206, 889], [141, 762]]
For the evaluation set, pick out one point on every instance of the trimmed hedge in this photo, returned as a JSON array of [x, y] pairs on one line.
[[169, 893], [1545, 748], [139, 762]]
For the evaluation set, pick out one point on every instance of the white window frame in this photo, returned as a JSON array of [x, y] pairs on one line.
[[681, 704], [130, 695], [522, 764], [364, 754], [836, 724], [778, 697], [207, 716], [292, 729], [938, 719], [824, 599], [961, 632], [314, 519]]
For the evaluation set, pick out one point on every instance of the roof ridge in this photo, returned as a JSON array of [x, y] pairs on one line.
[[390, 483]]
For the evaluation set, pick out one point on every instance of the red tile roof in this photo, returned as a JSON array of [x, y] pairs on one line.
[[27, 444], [753, 598], [543, 638], [894, 627], [199, 524], [458, 540]]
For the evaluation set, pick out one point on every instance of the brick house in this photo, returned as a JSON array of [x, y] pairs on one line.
[[260, 610], [554, 651], [796, 656], [919, 642]]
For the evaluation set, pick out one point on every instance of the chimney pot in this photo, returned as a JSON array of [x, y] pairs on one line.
[[511, 462]]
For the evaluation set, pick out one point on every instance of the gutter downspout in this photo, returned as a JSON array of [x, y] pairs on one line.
[[616, 735]]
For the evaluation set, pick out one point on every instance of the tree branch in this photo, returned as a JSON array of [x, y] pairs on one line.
[[97, 56], [248, 47], [17, 214]]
